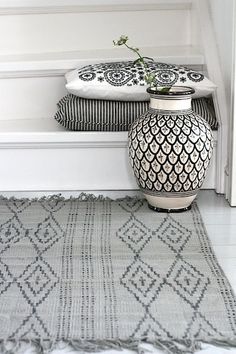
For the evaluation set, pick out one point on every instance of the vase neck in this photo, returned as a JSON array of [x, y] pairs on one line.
[[171, 103]]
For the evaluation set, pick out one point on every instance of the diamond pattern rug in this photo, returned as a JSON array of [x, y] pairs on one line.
[[98, 273]]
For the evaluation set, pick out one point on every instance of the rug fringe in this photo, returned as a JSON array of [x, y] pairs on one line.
[[57, 197], [83, 196], [171, 347]]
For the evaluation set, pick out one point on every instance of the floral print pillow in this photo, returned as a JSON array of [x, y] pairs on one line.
[[125, 81]]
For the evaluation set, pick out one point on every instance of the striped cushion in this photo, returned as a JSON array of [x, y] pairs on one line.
[[76, 113]]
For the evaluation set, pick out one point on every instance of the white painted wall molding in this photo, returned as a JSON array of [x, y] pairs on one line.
[[24, 7], [232, 126], [63, 145], [68, 145], [215, 74], [57, 64], [63, 140], [68, 140], [28, 73]]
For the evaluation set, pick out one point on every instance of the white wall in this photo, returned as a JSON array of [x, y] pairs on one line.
[[38, 34], [223, 13], [232, 194], [42, 33], [39, 43], [222, 16]]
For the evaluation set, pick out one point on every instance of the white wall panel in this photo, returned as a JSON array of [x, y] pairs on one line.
[[30, 98], [69, 32], [65, 169], [222, 16], [232, 126]]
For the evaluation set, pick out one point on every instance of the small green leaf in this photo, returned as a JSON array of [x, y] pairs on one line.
[[165, 89]]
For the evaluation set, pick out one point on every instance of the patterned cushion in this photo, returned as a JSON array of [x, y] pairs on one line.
[[124, 81], [82, 114]]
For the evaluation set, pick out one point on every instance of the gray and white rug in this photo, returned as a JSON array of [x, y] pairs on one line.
[[96, 274]]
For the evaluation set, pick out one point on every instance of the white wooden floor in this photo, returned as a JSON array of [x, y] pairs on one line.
[[220, 221]]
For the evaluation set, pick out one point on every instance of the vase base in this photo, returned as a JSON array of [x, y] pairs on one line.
[[161, 210], [169, 204]]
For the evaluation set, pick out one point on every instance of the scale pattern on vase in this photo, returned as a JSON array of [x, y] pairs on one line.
[[170, 153]]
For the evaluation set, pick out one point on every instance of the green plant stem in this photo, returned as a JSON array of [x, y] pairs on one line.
[[149, 78], [140, 59], [135, 51]]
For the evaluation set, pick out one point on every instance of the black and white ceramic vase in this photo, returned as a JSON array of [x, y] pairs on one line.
[[170, 148]]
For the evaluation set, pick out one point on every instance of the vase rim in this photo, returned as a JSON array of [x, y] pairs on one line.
[[174, 91]]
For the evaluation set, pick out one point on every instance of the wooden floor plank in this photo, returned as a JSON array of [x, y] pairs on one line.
[[220, 222]]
